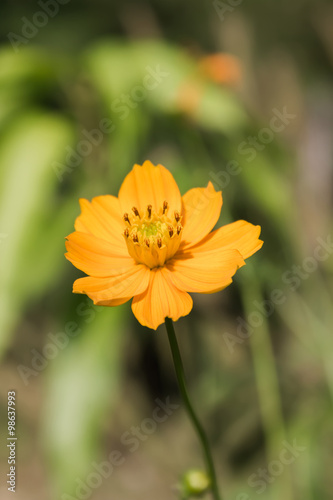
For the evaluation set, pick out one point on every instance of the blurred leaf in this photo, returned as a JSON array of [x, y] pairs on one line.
[[83, 386], [118, 67], [270, 190], [161, 70], [24, 75], [220, 110], [27, 183], [29, 67]]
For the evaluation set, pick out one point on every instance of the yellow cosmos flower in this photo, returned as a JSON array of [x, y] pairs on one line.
[[153, 245]]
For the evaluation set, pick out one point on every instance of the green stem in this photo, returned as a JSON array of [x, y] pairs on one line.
[[194, 419]]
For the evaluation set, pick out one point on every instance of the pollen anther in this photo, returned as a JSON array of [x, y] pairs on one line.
[[165, 207], [126, 219], [136, 212]]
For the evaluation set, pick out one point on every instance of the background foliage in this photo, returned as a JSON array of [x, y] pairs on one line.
[[260, 368]]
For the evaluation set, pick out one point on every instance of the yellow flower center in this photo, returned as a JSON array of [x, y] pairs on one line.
[[152, 238]]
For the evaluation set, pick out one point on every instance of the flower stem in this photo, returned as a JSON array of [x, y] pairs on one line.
[[194, 419]]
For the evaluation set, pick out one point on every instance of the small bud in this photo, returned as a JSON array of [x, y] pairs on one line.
[[126, 219], [179, 230], [126, 232], [170, 229], [177, 216], [195, 483], [165, 207], [149, 209]]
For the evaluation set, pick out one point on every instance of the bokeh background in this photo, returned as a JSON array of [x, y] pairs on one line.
[[87, 89]]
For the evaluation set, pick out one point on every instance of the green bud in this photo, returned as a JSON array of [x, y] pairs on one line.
[[195, 483]]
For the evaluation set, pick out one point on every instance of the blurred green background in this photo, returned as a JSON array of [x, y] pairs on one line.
[[87, 89]]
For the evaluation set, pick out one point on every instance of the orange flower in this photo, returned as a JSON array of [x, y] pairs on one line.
[[221, 68], [154, 245]]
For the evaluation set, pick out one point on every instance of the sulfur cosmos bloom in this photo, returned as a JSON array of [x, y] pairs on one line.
[[155, 246]]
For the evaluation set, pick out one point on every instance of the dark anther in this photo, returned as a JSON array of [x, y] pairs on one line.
[[165, 207], [126, 219]]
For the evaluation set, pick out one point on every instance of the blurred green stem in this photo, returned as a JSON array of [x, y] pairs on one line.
[[267, 386], [194, 419]]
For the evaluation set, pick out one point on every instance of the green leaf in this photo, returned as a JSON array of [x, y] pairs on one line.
[[82, 388], [27, 185]]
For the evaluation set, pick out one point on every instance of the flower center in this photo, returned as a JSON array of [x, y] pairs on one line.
[[152, 238]]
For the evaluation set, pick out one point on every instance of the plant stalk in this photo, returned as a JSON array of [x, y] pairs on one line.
[[191, 413]]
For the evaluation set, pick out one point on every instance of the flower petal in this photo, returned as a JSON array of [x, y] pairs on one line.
[[95, 256], [240, 235], [201, 211], [126, 283], [160, 300], [149, 185], [102, 218], [200, 273]]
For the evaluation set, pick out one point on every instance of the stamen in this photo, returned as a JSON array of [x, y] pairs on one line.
[[165, 207], [126, 219], [152, 237]]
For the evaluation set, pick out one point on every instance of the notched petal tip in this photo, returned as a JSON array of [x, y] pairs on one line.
[[77, 290], [83, 202], [211, 187], [149, 184], [146, 164]]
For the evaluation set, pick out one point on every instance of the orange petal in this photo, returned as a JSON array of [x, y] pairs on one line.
[[149, 185], [102, 218], [95, 256], [126, 283], [201, 211], [204, 273], [160, 300], [240, 235]]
